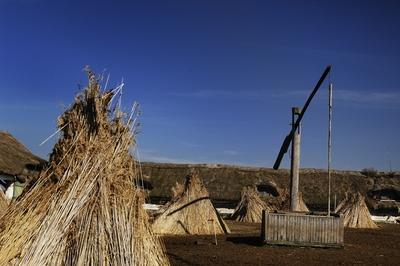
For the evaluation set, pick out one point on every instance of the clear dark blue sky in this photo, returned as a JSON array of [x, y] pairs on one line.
[[215, 79]]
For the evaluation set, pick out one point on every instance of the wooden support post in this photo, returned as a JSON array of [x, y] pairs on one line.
[[330, 149], [295, 163]]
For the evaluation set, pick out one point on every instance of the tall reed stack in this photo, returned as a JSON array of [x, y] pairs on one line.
[[282, 201], [250, 206], [355, 212], [190, 212], [85, 209], [3, 203]]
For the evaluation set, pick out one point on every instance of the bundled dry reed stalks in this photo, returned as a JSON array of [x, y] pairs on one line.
[[250, 206], [282, 202], [190, 212], [3, 203], [355, 212], [85, 209], [177, 190]]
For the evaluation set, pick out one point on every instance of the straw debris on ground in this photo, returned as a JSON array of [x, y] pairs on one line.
[[250, 206], [190, 212], [85, 209], [355, 212]]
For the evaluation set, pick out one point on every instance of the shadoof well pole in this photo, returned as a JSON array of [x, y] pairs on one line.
[[330, 88], [295, 162]]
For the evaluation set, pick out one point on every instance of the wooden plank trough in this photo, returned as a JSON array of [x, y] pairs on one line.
[[299, 229]]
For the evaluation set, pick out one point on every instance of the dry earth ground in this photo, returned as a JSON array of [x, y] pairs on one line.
[[362, 247]]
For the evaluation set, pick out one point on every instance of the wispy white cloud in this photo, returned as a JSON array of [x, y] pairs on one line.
[[231, 152], [368, 97], [154, 156], [372, 98], [30, 107], [224, 94], [289, 93], [189, 144], [164, 159]]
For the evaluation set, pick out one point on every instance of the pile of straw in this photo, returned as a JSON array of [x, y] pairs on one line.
[[302, 205], [177, 190], [355, 212], [250, 206], [3, 203], [282, 202], [85, 209], [190, 212]]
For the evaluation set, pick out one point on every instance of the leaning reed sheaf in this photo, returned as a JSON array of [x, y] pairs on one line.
[[85, 209], [355, 212], [190, 212], [250, 207]]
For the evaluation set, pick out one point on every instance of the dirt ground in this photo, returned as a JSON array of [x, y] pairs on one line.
[[242, 247]]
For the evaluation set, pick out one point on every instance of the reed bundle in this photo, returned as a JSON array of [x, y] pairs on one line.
[[190, 212], [177, 190], [3, 203], [250, 206], [282, 202], [355, 212], [85, 209]]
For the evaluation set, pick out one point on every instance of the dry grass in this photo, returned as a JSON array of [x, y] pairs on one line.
[[355, 212], [250, 206], [177, 190], [190, 212], [3, 203], [282, 202], [84, 209]]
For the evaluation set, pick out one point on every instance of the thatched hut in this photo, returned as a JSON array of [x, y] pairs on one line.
[[17, 163], [85, 208], [355, 212], [250, 206], [190, 212]]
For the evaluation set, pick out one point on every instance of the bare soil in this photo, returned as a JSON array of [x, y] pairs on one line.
[[362, 247]]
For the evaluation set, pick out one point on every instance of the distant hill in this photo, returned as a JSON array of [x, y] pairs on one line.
[[225, 182]]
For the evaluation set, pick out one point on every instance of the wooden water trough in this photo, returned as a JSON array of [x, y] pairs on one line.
[[299, 229]]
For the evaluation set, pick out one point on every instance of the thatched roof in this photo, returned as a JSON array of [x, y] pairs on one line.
[[250, 206], [355, 212], [15, 158], [190, 212]]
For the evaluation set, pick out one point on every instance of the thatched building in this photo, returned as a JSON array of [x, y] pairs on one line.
[[17, 163]]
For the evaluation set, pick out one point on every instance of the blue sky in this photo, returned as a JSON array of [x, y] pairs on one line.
[[215, 79]]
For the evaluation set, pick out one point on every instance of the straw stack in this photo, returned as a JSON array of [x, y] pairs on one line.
[[355, 212], [3, 203], [190, 212], [282, 202], [302, 205], [250, 206], [85, 209], [177, 190]]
